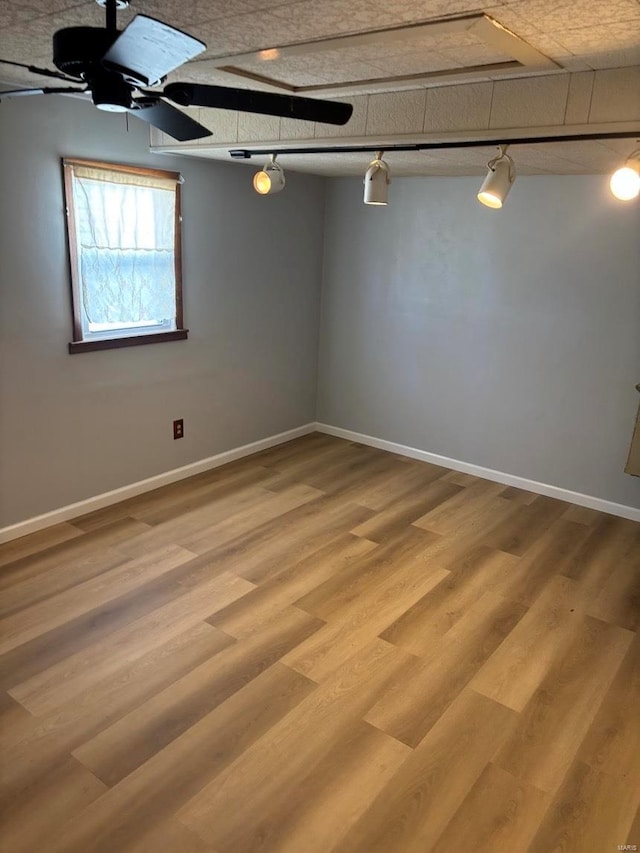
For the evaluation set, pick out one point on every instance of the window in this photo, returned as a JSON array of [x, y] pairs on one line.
[[123, 225]]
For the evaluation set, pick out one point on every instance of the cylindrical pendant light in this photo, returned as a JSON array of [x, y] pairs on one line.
[[376, 181], [271, 179], [500, 177], [625, 182]]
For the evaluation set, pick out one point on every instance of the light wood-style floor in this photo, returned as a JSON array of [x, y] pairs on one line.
[[323, 647]]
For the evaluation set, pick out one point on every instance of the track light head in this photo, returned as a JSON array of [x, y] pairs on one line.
[[500, 177], [270, 179], [625, 182], [376, 181]]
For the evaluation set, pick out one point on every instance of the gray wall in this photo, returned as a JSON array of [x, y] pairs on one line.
[[73, 426], [509, 339]]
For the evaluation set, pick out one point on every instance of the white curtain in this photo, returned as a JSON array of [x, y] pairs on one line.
[[125, 236]]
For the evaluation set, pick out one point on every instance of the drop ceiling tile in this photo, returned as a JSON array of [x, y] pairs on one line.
[[427, 10], [396, 113], [291, 128], [243, 33], [606, 37], [616, 92], [613, 59], [546, 159], [313, 20], [258, 128], [458, 107], [482, 54], [579, 98], [13, 13], [596, 158], [557, 16], [356, 126], [223, 125], [414, 62], [528, 102]]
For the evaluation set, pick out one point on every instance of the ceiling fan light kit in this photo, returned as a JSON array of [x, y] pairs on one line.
[[118, 67]]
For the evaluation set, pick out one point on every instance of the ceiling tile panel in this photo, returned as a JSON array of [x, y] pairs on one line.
[[291, 128], [313, 20], [253, 127], [393, 114], [613, 59], [223, 124], [615, 92], [356, 125], [414, 62], [13, 12], [560, 15], [579, 98], [458, 107], [428, 10], [528, 102]]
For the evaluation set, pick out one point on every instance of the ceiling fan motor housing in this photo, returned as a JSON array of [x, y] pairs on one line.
[[76, 50]]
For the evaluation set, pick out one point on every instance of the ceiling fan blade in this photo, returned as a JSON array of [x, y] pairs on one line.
[[35, 70], [170, 120], [151, 49], [46, 90], [250, 101]]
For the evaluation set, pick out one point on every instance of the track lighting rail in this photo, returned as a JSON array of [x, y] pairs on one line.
[[246, 154]]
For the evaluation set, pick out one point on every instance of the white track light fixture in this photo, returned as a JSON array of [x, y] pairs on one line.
[[499, 180], [271, 179], [625, 182], [376, 181]]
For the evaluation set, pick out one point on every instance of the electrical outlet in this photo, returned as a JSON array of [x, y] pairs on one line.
[[178, 428]]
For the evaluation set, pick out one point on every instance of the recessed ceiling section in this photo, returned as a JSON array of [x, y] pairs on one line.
[[427, 53]]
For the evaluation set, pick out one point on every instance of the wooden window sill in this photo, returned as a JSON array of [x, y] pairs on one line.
[[132, 341]]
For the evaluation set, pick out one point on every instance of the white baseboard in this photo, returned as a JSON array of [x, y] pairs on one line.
[[56, 516], [486, 473]]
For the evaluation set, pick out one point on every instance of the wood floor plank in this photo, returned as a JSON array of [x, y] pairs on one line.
[[255, 609], [325, 648], [421, 625], [391, 521], [245, 793], [46, 805], [465, 509], [36, 744], [414, 703], [516, 669], [612, 744], [75, 552], [133, 739], [552, 553], [413, 810], [65, 606], [127, 813], [280, 543], [592, 811], [521, 528], [558, 715], [379, 492], [499, 813], [341, 590], [37, 542], [59, 683], [341, 783], [360, 621]]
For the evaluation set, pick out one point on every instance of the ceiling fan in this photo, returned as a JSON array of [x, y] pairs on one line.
[[119, 67]]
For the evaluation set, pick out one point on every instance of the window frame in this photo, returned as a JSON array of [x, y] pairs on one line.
[[114, 341]]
